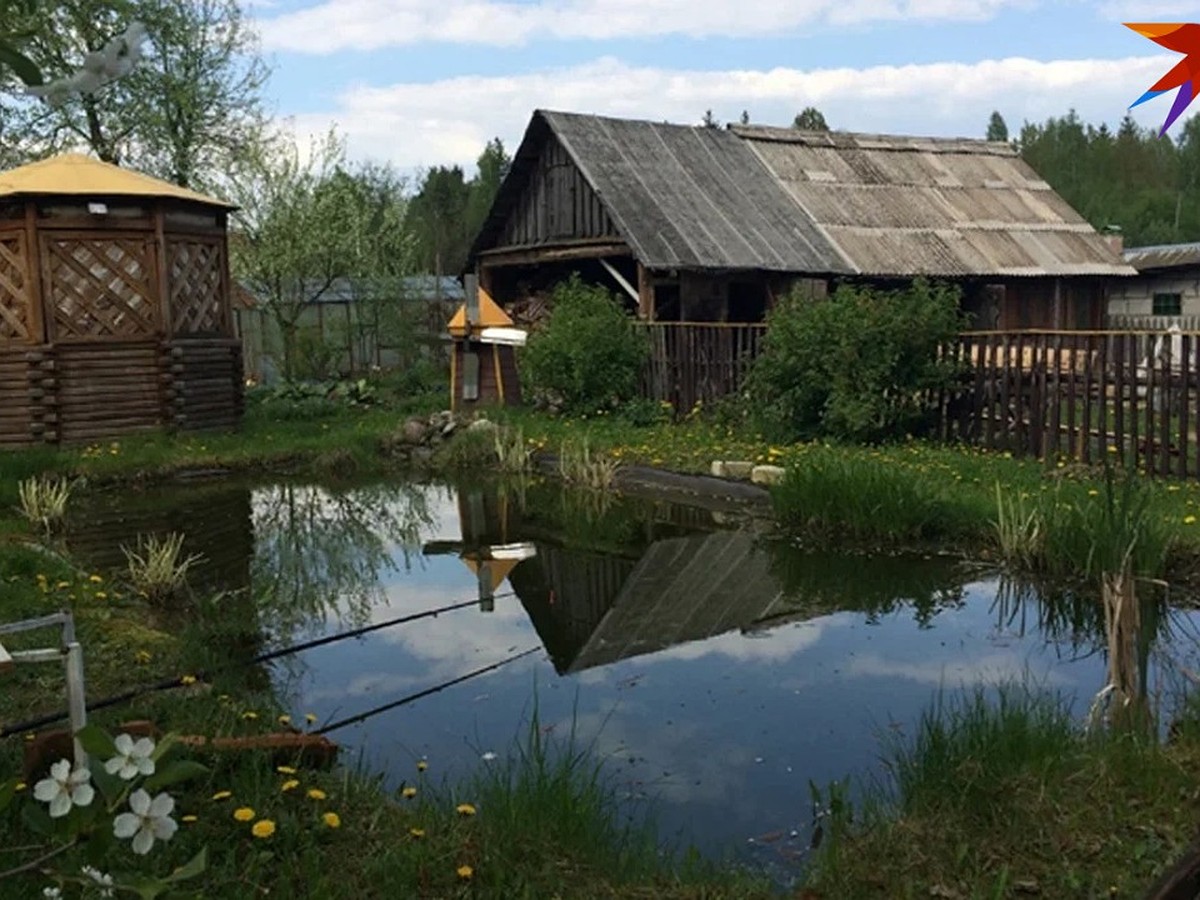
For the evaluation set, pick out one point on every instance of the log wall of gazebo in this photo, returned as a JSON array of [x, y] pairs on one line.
[[116, 321]]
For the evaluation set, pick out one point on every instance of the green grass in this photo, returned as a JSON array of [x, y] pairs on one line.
[[997, 797]]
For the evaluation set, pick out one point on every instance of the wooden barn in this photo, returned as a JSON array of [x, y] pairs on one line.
[[114, 305], [711, 225]]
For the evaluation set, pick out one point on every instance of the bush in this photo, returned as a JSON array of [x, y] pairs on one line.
[[855, 366], [589, 352]]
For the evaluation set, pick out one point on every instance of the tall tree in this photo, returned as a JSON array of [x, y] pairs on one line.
[[190, 105], [810, 119], [709, 121], [295, 232], [437, 217], [491, 169], [997, 129], [745, 119]]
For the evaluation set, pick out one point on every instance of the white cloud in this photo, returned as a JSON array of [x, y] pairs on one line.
[[373, 24], [448, 121], [1152, 10]]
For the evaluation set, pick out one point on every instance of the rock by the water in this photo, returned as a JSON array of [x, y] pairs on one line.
[[736, 468], [482, 425], [414, 431], [767, 474]]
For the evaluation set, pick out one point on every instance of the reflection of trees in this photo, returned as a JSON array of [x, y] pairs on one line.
[[876, 585], [320, 551]]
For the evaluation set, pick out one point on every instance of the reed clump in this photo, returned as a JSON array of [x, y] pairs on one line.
[[43, 501], [157, 568], [579, 465]]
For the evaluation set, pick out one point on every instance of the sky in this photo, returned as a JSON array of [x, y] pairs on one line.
[[428, 82]]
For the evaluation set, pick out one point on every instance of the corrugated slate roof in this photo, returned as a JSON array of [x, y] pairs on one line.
[[822, 203], [691, 198], [76, 175], [931, 206], [1163, 256]]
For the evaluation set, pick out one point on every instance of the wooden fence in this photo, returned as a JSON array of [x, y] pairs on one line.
[[698, 362], [1075, 394]]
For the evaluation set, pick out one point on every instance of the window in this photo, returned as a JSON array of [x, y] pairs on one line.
[[1167, 305]]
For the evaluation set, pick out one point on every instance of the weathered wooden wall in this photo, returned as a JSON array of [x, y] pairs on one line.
[[558, 204], [693, 362]]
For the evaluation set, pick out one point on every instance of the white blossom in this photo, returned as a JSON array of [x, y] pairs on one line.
[[52, 893], [132, 759], [64, 788], [103, 881], [149, 821], [100, 67]]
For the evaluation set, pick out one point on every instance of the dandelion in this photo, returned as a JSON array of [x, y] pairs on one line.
[[408, 793], [95, 579], [418, 833], [290, 785], [100, 595], [64, 789], [263, 828], [189, 819], [465, 872], [132, 759], [1093, 493], [465, 809], [285, 719], [187, 679], [150, 820], [285, 770], [20, 786], [142, 657], [1189, 520], [316, 794], [62, 585], [332, 820], [249, 715], [222, 795], [310, 718], [422, 765], [243, 813]]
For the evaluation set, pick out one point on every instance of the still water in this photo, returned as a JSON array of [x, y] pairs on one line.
[[716, 672]]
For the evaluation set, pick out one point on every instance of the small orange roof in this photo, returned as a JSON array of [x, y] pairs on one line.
[[499, 568], [74, 174], [490, 316]]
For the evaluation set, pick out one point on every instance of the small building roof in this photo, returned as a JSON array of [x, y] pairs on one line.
[[490, 316], [76, 175], [1163, 256], [819, 203]]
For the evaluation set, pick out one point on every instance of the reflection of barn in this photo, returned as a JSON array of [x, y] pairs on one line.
[[114, 305]]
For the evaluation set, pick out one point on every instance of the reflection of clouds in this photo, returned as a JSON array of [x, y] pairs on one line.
[[373, 683], [989, 669], [775, 645]]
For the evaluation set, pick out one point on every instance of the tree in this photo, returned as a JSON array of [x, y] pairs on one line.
[[491, 169], [997, 129], [745, 119], [190, 106], [437, 217], [810, 119], [295, 233], [709, 121]]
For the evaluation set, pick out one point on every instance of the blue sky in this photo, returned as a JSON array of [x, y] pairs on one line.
[[428, 82]]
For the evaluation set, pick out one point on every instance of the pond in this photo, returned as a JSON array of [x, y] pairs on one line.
[[717, 673]]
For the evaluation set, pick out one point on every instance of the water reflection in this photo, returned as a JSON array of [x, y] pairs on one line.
[[715, 671]]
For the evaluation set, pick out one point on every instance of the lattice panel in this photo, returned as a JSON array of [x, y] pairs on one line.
[[16, 319], [101, 287], [195, 285]]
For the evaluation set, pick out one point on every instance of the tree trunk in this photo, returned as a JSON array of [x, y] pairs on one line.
[[1122, 622]]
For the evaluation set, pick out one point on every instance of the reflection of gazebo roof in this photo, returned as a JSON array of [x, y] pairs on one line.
[[686, 589]]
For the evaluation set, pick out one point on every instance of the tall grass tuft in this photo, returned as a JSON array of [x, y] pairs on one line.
[[44, 501], [1020, 530], [156, 568], [830, 495], [512, 453], [578, 465]]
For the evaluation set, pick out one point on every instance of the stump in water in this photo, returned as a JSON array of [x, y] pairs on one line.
[[1122, 623]]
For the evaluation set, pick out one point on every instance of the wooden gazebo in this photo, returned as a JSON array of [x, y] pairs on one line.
[[114, 305], [483, 365]]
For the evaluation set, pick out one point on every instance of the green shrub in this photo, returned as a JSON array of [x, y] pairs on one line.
[[589, 353], [857, 366]]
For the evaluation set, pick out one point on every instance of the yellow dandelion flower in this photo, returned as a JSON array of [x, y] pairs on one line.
[[222, 795], [285, 770], [285, 719], [62, 584], [1189, 520], [20, 786], [95, 579], [100, 595], [417, 832], [332, 820], [310, 718], [465, 809], [189, 819], [142, 657], [465, 872], [263, 828], [408, 793], [243, 813], [422, 765], [316, 794], [188, 679], [249, 715], [290, 785], [1093, 493]]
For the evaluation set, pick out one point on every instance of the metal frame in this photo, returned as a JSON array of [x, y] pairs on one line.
[[69, 652]]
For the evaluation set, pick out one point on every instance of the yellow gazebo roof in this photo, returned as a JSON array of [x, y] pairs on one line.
[[500, 569], [490, 316], [73, 174]]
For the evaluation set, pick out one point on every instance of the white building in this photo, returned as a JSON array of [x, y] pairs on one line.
[[1165, 292]]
